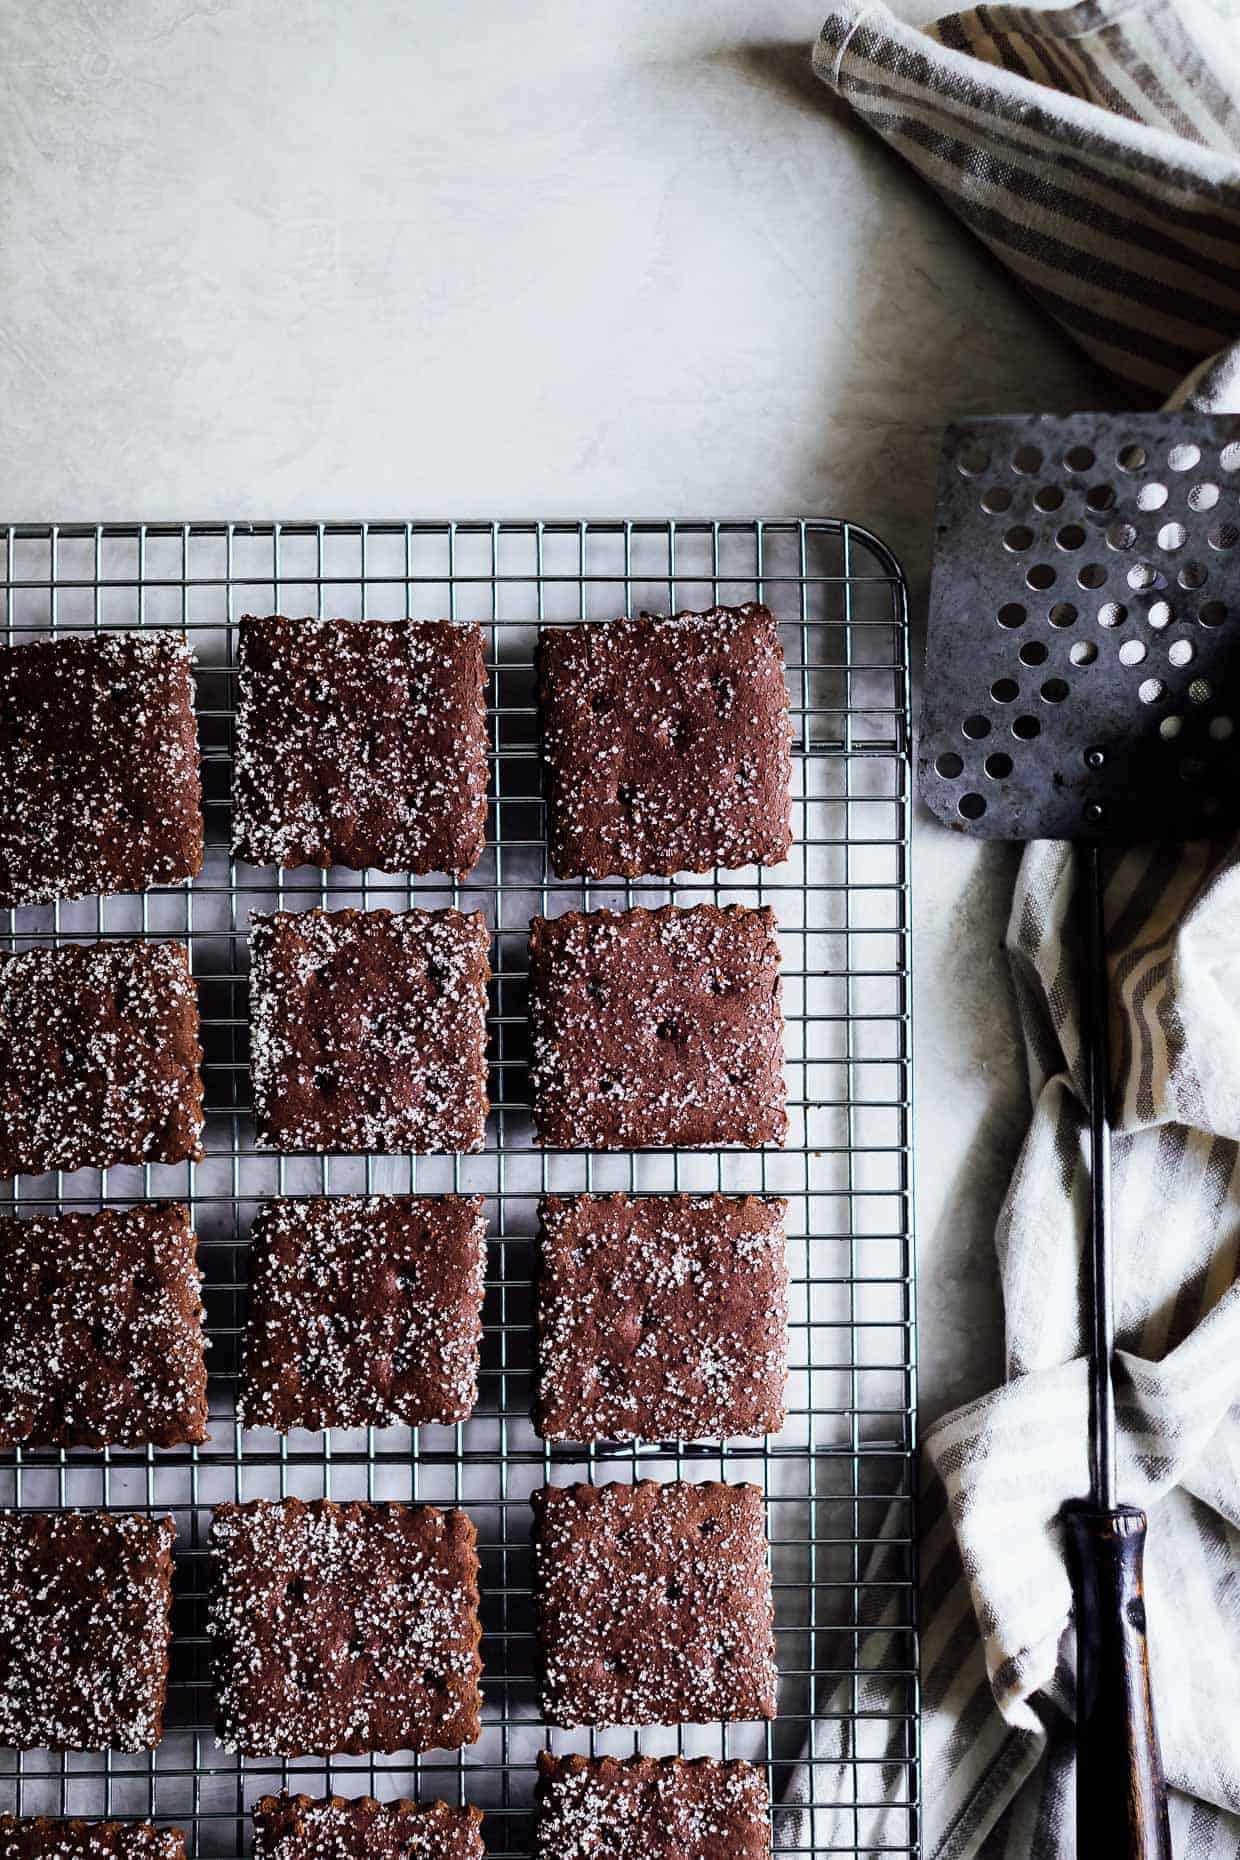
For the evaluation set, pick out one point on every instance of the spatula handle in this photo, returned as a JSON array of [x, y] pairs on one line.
[[1121, 1795]]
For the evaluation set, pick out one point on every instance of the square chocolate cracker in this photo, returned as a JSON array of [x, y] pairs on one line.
[[344, 1628], [667, 743], [653, 1603], [99, 1057], [84, 1632], [298, 1827], [360, 743], [661, 1317], [101, 1339], [656, 1027], [368, 1030], [98, 766], [365, 1311], [39, 1837], [650, 1808]]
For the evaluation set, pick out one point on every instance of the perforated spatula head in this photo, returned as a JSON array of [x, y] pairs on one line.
[[1083, 650]]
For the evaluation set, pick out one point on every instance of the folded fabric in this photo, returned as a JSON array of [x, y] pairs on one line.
[[1094, 150]]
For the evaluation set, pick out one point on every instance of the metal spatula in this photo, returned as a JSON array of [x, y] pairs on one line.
[[1083, 683]]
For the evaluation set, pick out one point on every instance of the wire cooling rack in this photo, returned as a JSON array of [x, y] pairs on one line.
[[839, 1479]]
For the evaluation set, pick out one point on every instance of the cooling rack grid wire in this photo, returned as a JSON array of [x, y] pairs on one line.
[[839, 1478]]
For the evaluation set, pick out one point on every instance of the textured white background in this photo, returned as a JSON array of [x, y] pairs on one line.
[[303, 258]]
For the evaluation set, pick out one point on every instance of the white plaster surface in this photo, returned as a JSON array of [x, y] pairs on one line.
[[318, 258]]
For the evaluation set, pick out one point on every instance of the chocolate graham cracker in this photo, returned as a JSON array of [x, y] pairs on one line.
[[656, 1027], [99, 1057], [98, 766], [666, 742], [368, 1030], [365, 1311], [344, 1627], [360, 743], [84, 1629], [650, 1808], [40, 1837], [298, 1827], [661, 1317], [653, 1604], [101, 1340]]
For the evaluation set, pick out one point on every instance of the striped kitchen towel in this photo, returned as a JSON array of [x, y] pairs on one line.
[[1094, 150]]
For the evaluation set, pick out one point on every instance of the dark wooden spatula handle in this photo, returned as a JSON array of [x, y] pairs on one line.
[[1121, 1794]]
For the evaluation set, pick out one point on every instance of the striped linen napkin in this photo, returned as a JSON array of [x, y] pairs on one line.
[[1094, 150]]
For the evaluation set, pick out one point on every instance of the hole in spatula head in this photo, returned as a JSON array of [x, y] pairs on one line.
[[1078, 458], [1033, 652], [1084, 652], [1112, 613], [996, 500], [1184, 457], [1100, 497], [1041, 577], [976, 727], [972, 457], [1054, 691], [1092, 575], [972, 806], [1152, 496], [1063, 613], [1048, 497], [1131, 458], [1203, 496], [1027, 460], [949, 765], [1212, 613], [1026, 728], [1223, 536], [1229, 457], [1011, 615], [1132, 652], [999, 766], [1005, 691]]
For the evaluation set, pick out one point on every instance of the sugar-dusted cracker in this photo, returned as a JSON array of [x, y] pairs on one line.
[[42, 1837], [99, 1057], [101, 1341], [661, 1317], [344, 1627], [360, 743], [365, 1311], [99, 783], [656, 1027], [666, 742], [85, 1598], [299, 1827], [653, 1603], [650, 1808], [368, 1030]]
